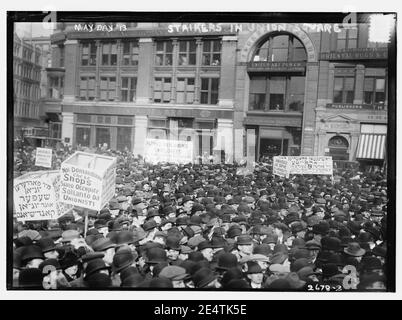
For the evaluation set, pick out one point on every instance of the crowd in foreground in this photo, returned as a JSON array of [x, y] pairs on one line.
[[206, 226]]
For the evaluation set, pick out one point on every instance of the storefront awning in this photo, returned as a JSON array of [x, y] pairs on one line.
[[371, 146]]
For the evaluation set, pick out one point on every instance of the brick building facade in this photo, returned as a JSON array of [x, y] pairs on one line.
[[234, 90]]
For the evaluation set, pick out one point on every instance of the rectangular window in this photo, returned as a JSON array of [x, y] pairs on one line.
[[211, 53], [209, 90], [82, 117], [374, 90], [164, 53], [185, 90], [125, 120], [107, 88], [296, 93], [62, 52], [258, 89], [347, 39], [128, 88], [187, 53], [123, 139], [162, 90], [344, 89], [109, 54], [277, 89], [130, 53], [88, 56], [87, 88], [82, 136]]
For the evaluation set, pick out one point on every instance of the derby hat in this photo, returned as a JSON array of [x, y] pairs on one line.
[[203, 277], [102, 244], [354, 249], [46, 244], [31, 252], [226, 261], [95, 266], [123, 259]]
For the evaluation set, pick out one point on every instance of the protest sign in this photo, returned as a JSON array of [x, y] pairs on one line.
[[36, 196], [172, 151], [88, 180], [43, 157], [280, 166], [311, 165], [285, 165]]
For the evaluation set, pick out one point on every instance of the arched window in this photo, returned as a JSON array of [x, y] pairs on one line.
[[338, 148], [280, 48]]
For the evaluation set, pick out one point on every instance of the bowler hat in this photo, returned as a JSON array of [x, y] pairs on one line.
[[253, 267], [94, 266], [354, 249], [204, 245], [149, 225], [102, 244], [46, 244], [156, 255], [98, 281], [127, 272], [244, 240], [234, 231], [91, 256], [264, 249], [329, 270], [123, 259], [218, 242], [331, 243], [31, 252], [226, 261], [69, 259], [203, 277], [132, 281], [278, 258], [299, 264], [173, 242]]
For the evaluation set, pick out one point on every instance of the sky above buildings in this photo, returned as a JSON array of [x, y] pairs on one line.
[[33, 29]]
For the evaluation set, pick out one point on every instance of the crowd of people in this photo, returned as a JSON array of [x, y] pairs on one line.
[[209, 226]]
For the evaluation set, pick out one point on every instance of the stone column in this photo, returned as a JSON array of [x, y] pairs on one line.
[[310, 103], [354, 139], [71, 60], [98, 64], [197, 82], [141, 124], [228, 72], [67, 129], [225, 138], [144, 74], [359, 84]]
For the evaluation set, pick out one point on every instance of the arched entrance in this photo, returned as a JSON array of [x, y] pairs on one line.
[[338, 148]]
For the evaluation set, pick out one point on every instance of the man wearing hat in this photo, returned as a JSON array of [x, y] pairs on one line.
[[173, 248], [176, 274], [206, 250], [254, 274], [31, 256], [245, 246], [48, 248], [70, 266], [281, 231], [106, 246]]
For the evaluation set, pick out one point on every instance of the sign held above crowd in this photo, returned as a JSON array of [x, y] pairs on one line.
[[43, 157], [285, 165], [88, 180], [36, 196], [171, 151]]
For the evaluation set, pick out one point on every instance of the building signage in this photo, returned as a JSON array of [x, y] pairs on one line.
[[355, 106], [276, 66], [36, 196], [88, 180], [356, 54]]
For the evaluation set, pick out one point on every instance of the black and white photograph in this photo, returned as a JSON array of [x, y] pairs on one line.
[[210, 152]]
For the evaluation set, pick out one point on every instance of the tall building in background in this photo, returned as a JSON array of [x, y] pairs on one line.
[[235, 90], [27, 70]]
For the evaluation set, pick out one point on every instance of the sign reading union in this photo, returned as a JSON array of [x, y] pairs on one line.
[[276, 66], [355, 54]]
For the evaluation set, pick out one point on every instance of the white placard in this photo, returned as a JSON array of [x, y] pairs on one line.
[[36, 196], [43, 157], [172, 151]]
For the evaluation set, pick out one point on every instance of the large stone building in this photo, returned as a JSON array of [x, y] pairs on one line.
[[234, 90], [27, 67]]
